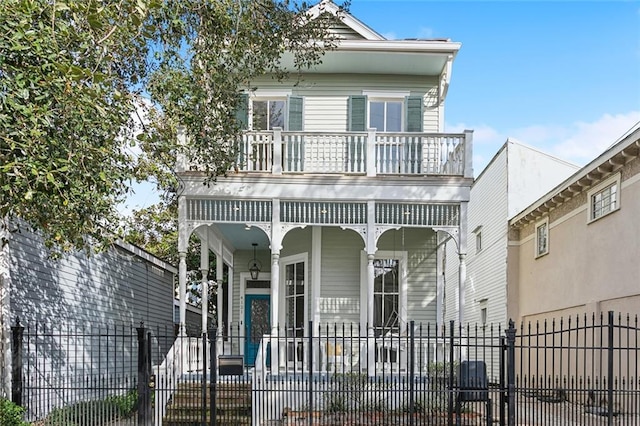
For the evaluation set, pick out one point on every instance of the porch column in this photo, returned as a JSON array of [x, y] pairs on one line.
[[182, 290], [371, 254], [230, 284], [183, 244], [220, 315], [204, 269], [316, 278], [276, 245], [462, 255]]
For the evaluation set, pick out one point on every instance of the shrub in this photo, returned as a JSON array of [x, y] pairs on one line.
[[11, 414], [110, 408]]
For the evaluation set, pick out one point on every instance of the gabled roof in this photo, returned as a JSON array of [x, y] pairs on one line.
[[613, 159], [350, 21]]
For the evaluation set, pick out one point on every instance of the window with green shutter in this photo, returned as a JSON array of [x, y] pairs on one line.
[[295, 105], [357, 108], [414, 111], [242, 112]]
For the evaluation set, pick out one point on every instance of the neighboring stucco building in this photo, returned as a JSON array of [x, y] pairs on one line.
[[577, 249], [515, 177]]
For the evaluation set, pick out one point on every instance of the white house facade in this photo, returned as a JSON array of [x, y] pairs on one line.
[[344, 184]]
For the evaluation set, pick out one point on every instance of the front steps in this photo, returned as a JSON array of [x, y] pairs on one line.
[[233, 405]]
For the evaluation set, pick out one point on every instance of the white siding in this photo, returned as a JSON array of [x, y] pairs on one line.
[[340, 289], [514, 178], [326, 96]]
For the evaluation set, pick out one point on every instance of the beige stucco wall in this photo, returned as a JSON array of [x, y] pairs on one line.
[[590, 267]]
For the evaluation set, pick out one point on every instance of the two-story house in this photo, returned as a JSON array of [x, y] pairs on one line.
[[342, 186]]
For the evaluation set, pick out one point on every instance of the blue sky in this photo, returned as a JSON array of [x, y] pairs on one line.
[[561, 76]]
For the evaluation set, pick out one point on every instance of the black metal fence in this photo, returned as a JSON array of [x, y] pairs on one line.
[[578, 371]]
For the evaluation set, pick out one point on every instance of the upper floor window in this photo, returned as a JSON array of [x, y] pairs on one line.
[[542, 238], [385, 115], [604, 198], [266, 111], [268, 114], [385, 112]]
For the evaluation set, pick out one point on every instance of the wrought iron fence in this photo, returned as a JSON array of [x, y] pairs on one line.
[[581, 370]]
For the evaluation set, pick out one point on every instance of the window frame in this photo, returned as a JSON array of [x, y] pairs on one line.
[[401, 256], [478, 233], [543, 223], [600, 189], [284, 263], [267, 99], [386, 100]]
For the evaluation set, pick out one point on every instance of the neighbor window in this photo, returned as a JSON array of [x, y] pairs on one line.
[[385, 115], [542, 238], [268, 114], [604, 198]]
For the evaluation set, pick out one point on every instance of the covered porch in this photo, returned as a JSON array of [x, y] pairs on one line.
[[351, 274]]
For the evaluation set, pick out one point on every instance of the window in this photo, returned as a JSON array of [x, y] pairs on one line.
[[268, 114], [386, 296], [385, 115], [483, 316], [478, 242], [294, 299], [542, 238], [604, 198]]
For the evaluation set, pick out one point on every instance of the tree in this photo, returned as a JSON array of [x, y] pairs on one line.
[[68, 70], [207, 54], [71, 76]]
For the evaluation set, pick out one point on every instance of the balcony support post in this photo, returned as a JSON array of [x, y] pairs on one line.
[[204, 269], [276, 246], [371, 152], [468, 154], [276, 166]]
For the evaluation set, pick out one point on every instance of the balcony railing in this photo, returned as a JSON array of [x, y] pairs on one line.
[[355, 153]]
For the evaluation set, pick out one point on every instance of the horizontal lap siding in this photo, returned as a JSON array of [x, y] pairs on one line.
[[487, 269], [420, 245], [326, 96], [110, 287], [340, 288]]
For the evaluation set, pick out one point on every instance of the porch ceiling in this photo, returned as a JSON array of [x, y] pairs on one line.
[[241, 238], [389, 57]]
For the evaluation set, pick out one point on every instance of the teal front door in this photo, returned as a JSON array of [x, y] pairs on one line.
[[257, 317]]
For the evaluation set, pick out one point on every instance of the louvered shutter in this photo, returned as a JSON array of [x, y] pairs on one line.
[[357, 109]]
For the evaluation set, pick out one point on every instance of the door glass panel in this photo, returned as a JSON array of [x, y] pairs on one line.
[[386, 296], [259, 319]]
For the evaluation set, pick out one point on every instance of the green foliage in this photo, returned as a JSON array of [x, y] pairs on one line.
[[72, 73], [207, 53], [111, 408], [11, 414], [347, 392], [66, 72]]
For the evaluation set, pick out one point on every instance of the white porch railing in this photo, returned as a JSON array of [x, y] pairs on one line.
[[366, 153], [331, 355]]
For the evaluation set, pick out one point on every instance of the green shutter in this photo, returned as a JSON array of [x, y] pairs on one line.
[[295, 106], [242, 112], [357, 107], [415, 114]]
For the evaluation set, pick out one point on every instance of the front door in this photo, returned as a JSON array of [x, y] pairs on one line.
[[257, 317]]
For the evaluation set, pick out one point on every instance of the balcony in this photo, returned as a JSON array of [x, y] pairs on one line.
[[354, 153]]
